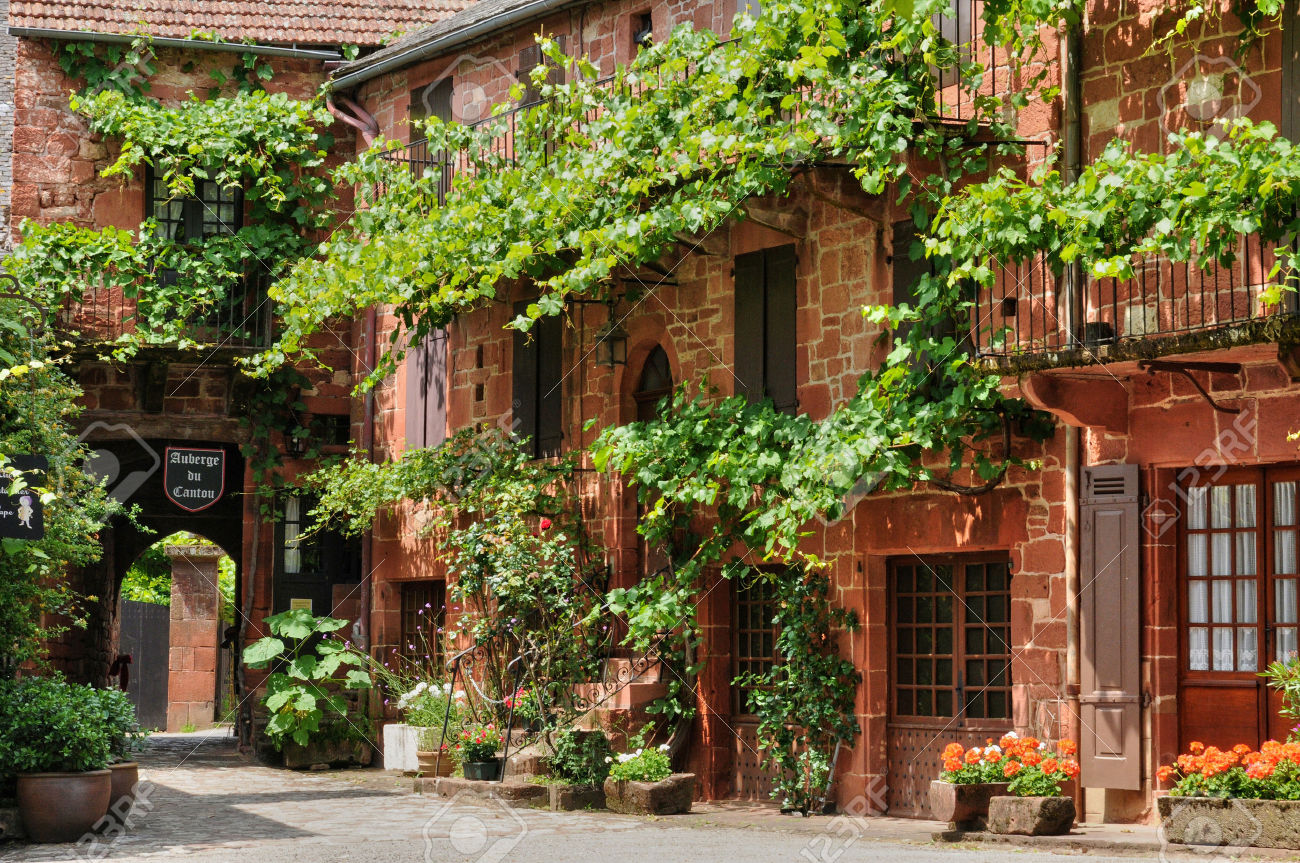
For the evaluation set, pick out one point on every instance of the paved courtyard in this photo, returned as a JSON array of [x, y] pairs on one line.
[[208, 803]]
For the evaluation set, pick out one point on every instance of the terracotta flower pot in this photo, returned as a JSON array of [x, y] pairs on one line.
[[486, 771], [963, 804], [125, 775], [63, 807], [432, 765]]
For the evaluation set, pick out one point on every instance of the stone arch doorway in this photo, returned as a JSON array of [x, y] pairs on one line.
[[131, 468]]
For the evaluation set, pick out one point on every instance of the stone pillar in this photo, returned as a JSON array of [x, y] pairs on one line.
[[195, 635]]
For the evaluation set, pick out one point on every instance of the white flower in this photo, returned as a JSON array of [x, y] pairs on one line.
[[1043, 746], [663, 747], [608, 759], [624, 757], [994, 748], [1013, 735], [446, 687]]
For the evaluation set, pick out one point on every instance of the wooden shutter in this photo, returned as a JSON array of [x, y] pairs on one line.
[[415, 397], [1110, 628], [748, 363], [550, 389], [780, 308], [524, 384], [906, 272]]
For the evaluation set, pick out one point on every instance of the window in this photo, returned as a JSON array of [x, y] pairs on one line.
[[765, 327], [952, 638], [214, 211], [432, 100], [1239, 562], [308, 569], [955, 28], [754, 649], [426, 392], [537, 401], [655, 384], [909, 265], [529, 59], [424, 611], [643, 31]]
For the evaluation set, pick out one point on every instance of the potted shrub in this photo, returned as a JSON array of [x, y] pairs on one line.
[[642, 782], [53, 735], [1238, 797], [433, 754], [970, 778], [125, 737], [477, 751], [580, 764], [1036, 806]]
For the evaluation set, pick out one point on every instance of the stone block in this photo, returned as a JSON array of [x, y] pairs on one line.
[[1031, 816], [511, 793], [567, 798], [1230, 824], [669, 796], [400, 745], [11, 823]]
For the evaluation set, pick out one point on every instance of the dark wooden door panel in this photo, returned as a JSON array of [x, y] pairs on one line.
[[1221, 716]]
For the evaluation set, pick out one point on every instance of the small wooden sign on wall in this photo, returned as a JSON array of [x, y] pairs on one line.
[[194, 479]]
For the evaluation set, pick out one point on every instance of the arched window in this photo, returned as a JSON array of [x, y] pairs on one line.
[[655, 383]]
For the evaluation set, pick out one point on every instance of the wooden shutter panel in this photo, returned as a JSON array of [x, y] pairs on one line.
[[749, 326], [1110, 629], [435, 389], [1291, 70], [524, 384], [415, 397], [550, 389], [780, 307]]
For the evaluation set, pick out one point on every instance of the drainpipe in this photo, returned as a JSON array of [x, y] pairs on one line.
[[353, 115], [1072, 140], [368, 444]]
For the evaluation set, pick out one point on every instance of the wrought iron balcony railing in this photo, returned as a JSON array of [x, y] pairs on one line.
[[242, 320], [952, 103], [1030, 318]]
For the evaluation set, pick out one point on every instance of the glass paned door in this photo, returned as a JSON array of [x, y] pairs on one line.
[[1222, 577]]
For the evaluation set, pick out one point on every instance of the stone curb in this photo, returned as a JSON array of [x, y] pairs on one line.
[[1100, 845]]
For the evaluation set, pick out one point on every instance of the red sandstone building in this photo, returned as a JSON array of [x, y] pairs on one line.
[[1126, 592]]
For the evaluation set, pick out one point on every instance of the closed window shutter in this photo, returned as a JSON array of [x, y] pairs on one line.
[[1291, 70], [435, 389], [416, 394], [524, 384], [1110, 629], [550, 389], [780, 308], [749, 326]]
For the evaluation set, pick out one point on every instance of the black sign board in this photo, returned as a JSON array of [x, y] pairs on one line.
[[194, 479], [22, 516]]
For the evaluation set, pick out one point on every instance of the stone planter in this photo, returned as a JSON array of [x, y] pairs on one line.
[[332, 753], [63, 807], [483, 771], [965, 805], [430, 764], [1031, 816], [671, 796], [401, 742], [1224, 823], [567, 798]]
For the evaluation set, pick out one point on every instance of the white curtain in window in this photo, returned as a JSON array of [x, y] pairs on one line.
[[292, 556]]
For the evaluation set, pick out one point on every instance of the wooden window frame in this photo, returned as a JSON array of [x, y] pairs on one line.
[[192, 209], [959, 718], [1264, 478], [750, 662], [408, 610]]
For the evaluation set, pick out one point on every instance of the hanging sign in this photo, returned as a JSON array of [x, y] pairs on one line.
[[22, 516], [194, 479]]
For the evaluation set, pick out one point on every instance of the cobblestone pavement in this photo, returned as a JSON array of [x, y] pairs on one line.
[[209, 803]]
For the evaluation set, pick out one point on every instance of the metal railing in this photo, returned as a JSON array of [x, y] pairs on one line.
[[241, 319], [1029, 313], [951, 103]]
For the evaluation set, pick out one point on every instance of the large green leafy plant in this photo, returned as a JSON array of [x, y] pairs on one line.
[[48, 725], [309, 672]]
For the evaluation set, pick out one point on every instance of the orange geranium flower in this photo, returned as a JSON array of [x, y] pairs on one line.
[[1049, 765], [1071, 767], [1241, 749], [1011, 768], [1067, 747], [973, 756], [1259, 770], [952, 765], [1196, 747], [992, 756], [953, 750], [1032, 757], [1164, 772]]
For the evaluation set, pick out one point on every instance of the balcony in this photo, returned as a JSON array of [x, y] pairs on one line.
[[242, 321], [1030, 320], [951, 105]]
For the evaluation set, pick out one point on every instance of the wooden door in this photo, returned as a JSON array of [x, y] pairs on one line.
[[753, 650], [1238, 593]]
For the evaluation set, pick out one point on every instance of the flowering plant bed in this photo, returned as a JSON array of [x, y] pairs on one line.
[[478, 743], [670, 795], [1014, 767]]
